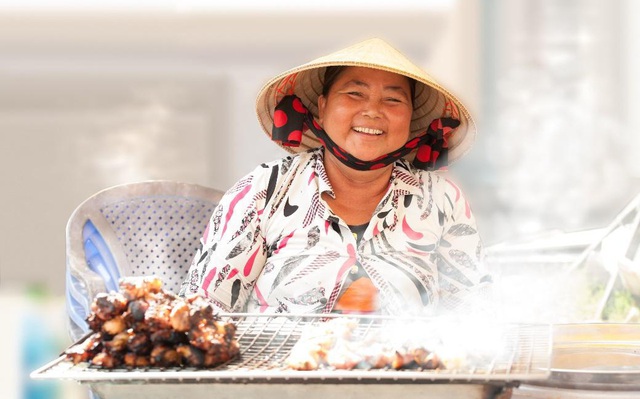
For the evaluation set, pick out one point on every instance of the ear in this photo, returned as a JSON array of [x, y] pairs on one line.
[[322, 103]]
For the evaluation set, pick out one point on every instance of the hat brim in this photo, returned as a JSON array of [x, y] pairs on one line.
[[431, 99]]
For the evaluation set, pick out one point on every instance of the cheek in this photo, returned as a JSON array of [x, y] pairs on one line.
[[402, 121], [336, 117]]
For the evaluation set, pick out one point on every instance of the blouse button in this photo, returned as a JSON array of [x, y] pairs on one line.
[[354, 269]]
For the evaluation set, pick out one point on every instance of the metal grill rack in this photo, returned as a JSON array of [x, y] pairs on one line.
[[265, 343]]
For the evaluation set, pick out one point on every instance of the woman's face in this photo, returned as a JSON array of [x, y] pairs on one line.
[[367, 112]]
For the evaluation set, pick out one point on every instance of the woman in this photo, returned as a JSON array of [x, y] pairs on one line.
[[356, 220]]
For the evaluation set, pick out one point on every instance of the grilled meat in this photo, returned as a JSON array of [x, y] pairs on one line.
[[107, 360], [136, 288], [108, 305], [179, 317], [114, 326], [95, 323], [164, 355], [137, 309], [86, 350], [193, 356], [142, 325], [119, 342], [131, 360], [335, 345], [139, 343]]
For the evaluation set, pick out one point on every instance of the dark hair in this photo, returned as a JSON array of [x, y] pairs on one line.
[[332, 73]]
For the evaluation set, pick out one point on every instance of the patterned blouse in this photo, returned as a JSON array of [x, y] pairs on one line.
[[274, 245]]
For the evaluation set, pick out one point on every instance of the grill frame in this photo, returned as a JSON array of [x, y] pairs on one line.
[[266, 340], [296, 391]]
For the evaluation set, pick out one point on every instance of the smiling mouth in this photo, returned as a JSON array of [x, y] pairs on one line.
[[366, 130]]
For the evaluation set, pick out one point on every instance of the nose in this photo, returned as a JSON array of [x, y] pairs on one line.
[[372, 109]]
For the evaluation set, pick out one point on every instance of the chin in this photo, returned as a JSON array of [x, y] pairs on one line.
[[364, 155]]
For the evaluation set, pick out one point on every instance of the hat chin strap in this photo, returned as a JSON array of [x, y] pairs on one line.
[[291, 118]]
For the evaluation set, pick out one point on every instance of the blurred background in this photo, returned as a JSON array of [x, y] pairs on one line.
[[96, 94]]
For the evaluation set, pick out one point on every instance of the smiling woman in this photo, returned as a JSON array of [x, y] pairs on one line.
[[358, 220]]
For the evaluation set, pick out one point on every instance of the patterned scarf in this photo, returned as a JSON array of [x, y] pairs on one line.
[[291, 118]]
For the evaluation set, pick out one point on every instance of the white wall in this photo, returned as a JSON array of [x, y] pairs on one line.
[[630, 47]]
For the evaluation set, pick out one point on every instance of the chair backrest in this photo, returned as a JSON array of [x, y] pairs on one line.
[[146, 228]]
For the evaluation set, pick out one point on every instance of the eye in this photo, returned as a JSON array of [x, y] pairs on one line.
[[355, 93]]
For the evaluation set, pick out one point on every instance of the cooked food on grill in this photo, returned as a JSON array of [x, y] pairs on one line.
[[336, 345], [142, 325]]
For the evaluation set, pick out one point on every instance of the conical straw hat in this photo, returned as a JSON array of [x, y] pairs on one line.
[[431, 100]]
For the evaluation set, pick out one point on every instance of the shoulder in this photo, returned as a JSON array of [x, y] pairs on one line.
[[285, 164], [267, 180], [417, 181], [438, 185], [275, 170]]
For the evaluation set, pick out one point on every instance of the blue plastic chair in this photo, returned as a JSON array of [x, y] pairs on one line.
[[146, 228]]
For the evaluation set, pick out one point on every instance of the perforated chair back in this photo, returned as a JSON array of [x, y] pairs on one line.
[[138, 229]]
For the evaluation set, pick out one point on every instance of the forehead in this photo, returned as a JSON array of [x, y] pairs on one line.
[[370, 76]]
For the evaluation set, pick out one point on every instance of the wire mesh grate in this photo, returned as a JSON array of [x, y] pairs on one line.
[[266, 341]]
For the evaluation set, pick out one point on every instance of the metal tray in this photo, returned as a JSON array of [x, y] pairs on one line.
[[266, 341], [595, 356]]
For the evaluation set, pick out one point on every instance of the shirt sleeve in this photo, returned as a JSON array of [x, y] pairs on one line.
[[462, 277], [232, 253]]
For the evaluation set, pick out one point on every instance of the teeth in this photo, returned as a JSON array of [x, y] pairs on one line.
[[367, 130]]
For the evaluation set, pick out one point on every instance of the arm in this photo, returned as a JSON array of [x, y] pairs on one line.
[[233, 253], [463, 280]]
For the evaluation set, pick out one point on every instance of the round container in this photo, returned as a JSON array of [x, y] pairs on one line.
[[596, 356]]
